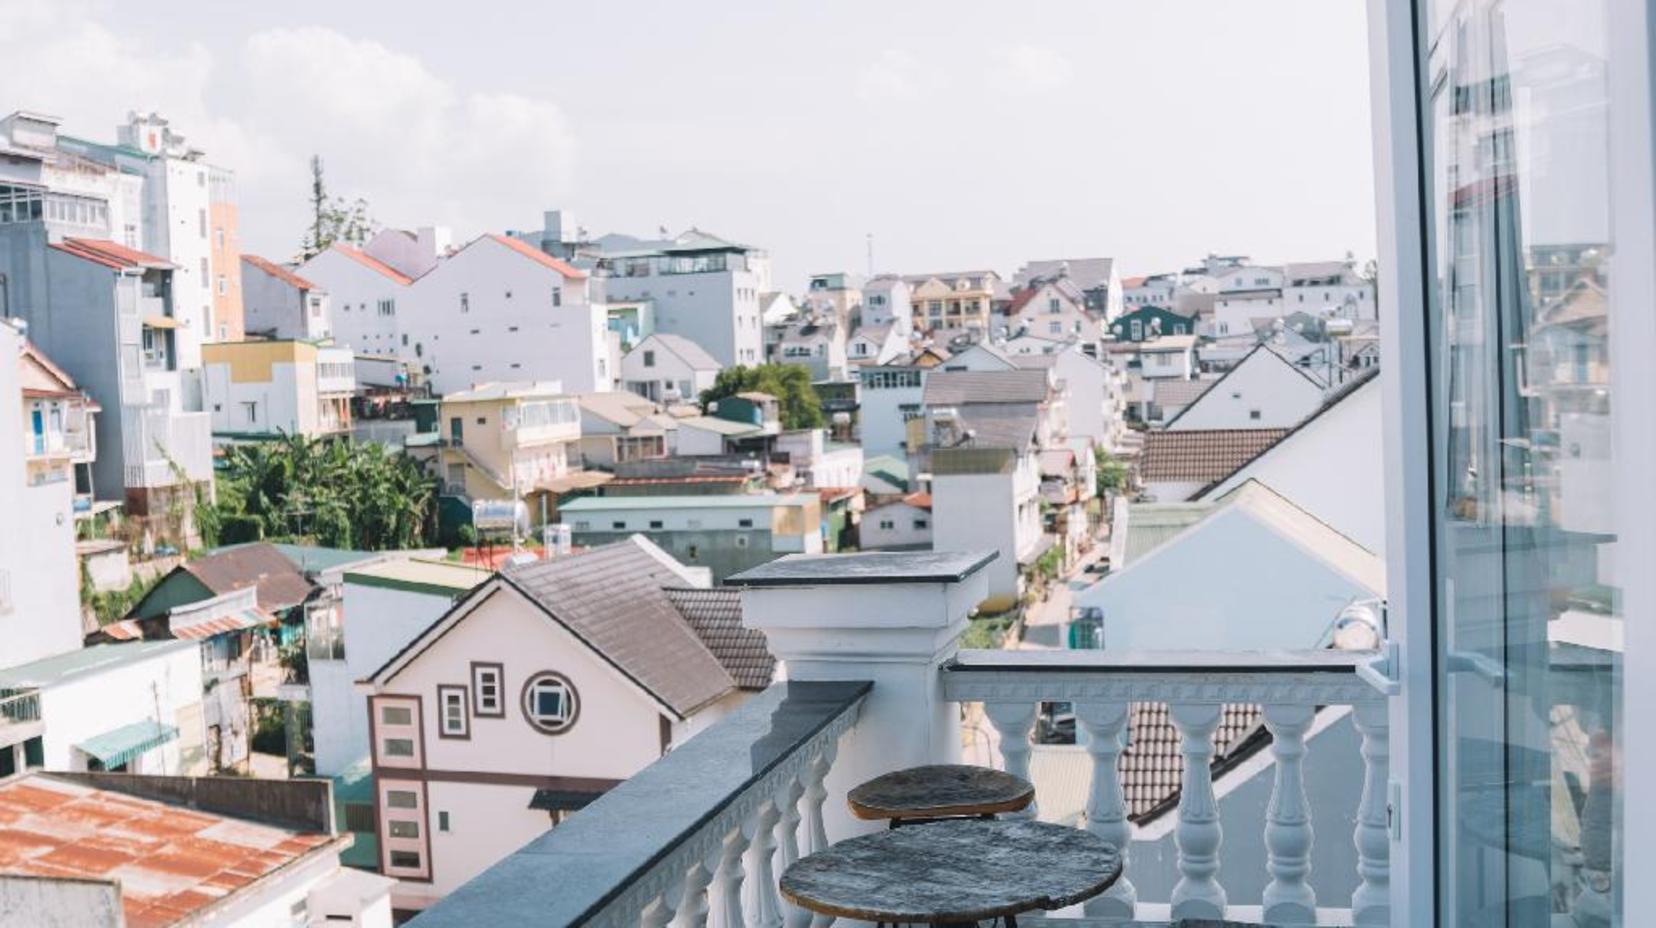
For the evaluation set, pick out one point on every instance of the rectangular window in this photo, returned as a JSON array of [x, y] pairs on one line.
[[396, 715], [405, 860], [557, 296], [456, 714], [399, 747], [655, 523], [402, 828], [488, 685], [619, 525], [402, 799], [442, 821], [465, 302], [744, 523], [921, 523], [649, 359]]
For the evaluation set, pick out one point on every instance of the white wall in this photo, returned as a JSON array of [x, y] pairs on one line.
[[163, 687], [717, 310], [1263, 392], [880, 418], [1331, 468], [355, 292], [665, 370], [978, 512], [39, 573], [507, 327], [286, 402], [906, 530]]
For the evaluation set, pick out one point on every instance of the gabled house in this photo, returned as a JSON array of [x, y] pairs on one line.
[[277, 303], [501, 438], [1053, 309], [1175, 466], [1150, 321], [956, 300], [818, 344], [1096, 278], [366, 299], [1264, 390], [537, 692], [886, 302], [875, 343], [668, 368], [901, 524], [620, 427]]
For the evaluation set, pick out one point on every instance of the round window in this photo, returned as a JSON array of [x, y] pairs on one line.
[[550, 703]]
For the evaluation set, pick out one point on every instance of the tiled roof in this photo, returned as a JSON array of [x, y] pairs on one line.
[[950, 388], [540, 257], [372, 263], [277, 271], [1151, 765], [111, 255], [1179, 393], [612, 597], [171, 862], [716, 617], [1202, 455], [280, 585]]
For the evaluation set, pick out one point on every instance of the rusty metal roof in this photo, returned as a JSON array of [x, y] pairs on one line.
[[281, 585], [172, 863]]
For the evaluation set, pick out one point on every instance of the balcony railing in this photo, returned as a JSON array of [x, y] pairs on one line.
[[19, 706], [1291, 688], [724, 811], [155, 439]]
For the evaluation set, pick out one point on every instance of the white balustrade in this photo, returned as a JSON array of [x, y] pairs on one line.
[[767, 902], [1289, 899], [726, 890], [1296, 689]]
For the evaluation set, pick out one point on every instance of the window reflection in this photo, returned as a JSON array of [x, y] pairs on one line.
[[1526, 576]]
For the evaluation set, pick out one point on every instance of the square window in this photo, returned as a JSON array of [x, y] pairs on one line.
[[405, 860]]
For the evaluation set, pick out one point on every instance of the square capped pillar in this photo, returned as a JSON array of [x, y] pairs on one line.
[[892, 618]]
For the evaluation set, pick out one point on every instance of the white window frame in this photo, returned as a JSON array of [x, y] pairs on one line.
[[572, 703]]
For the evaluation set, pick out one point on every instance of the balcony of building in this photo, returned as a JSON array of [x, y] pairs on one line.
[[19, 716], [876, 682], [165, 448]]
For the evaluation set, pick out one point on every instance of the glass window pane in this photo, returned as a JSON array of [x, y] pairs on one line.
[[1527, 604]]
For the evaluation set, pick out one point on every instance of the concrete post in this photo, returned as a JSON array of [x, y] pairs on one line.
[[890, 618]]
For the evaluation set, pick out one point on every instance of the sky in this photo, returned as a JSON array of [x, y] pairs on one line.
[[958, 134]]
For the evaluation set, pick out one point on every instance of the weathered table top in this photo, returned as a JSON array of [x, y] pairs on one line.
[[939, 791], [963, 870]]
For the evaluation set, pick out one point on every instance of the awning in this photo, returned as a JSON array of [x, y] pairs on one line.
[[561, 800], [233, 622], [160, 322], [115, 748]]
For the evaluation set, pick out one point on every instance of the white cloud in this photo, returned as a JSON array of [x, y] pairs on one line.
[[419, 148], [1030, 69], [897, 76]]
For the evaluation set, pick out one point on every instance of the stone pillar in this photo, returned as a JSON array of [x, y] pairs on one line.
[[889, 618]]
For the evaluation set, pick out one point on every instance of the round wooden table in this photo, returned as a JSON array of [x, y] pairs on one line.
[[939, 791], [956, 872]]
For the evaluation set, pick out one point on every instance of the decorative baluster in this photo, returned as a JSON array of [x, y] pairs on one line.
[[691, 912], [728, 880], [767, 904], [1106, 727], [1013, 721], [1198, 893], [1289, 899], [659, 913], [816, 835], [787, 842], [1371, 903]]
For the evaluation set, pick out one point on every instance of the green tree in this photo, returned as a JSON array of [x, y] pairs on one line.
[[333, 219], [789, 383], [1110, 473], [334, 493]]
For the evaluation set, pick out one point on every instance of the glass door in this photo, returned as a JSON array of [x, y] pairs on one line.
[[1527, 611]]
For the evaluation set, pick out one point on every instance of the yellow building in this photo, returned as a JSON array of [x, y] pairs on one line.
[[953, 301], [501, 437]]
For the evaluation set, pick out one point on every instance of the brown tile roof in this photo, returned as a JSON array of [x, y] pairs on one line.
[[281, 585], [612, 597], [109, 254], [716, 616], [171, 862], [1202, 455], [372, 263], [277, 271], [951, 388], [1151, 765]]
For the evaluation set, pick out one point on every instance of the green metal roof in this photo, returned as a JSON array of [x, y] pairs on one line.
[[1149, 525], [114, 748], [309, 558], [91, 659]]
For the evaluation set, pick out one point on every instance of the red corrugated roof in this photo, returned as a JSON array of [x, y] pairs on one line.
[[280, 273], [534, 254], [373, 263], [919, 500], [107, 253]]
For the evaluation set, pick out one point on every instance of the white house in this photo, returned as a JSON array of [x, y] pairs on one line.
[[365, 298], [261, 389], [1330, 289], [1098, 278], [100, 851], [875, 344], [500, 310], [1263, 391], [621, 426], [383, 606], [1091, 396], [668, 368], [1053, 309], [819, 462], [985, 496], [1322, 464], [277, 303], [39, 577], [724, 533], [898, 525], [817, 344], [891, 395], [540, 690], [886, 302], [1168, 356], [1247, 570]]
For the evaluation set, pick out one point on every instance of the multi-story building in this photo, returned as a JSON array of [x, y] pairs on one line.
[[985, 494], [702, 287], [1097, 278], [725, 533], [536, 693], [366, 297], [1328, 289], [504, 438], [837, 296], [277, 303], [500, 310], [890, 398], [886, 302], [1053, 309], [817, 344], [264, 389], [955, 301], [223, 217]]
